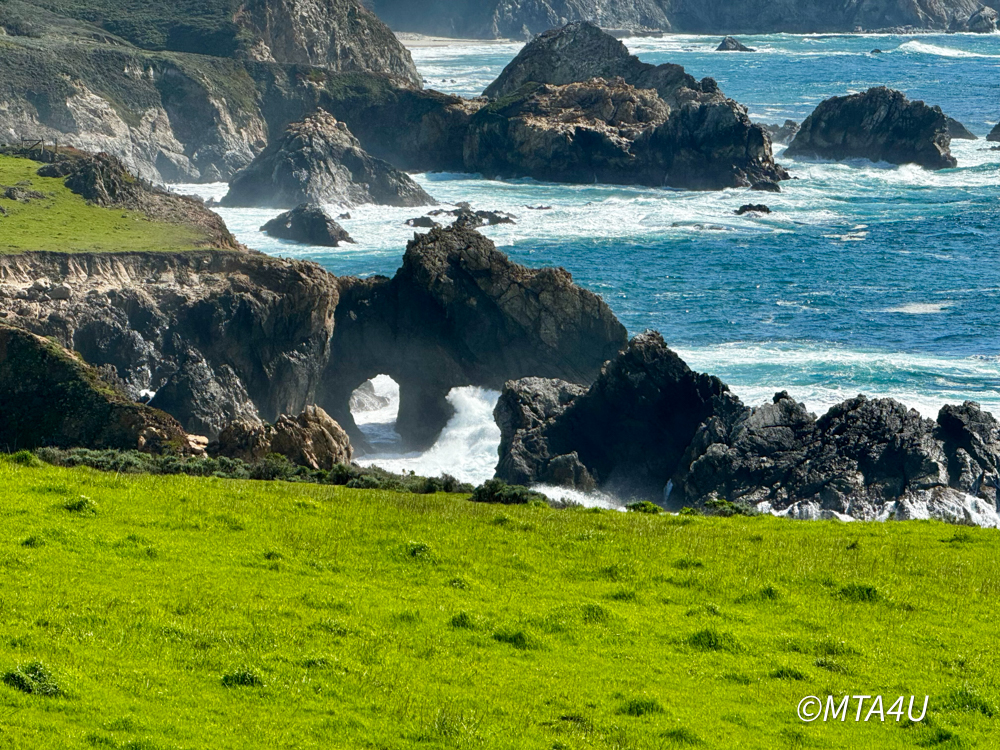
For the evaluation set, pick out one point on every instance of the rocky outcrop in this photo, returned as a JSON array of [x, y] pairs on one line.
[[638, 124], [220, 336], [626, 433], [224, 335], [308, 223], [523, 18], [338, 35], [318, 160], [782, 133], [311, 439], [651, 428], [880, 125], [732, 44], [753, 208], [460, 313], [49, 397], [958, 131], [994, 136]]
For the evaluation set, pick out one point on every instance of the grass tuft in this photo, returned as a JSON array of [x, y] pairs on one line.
[[710, 639], [860, 593], [640, 707], [242, 677], [33, 679]]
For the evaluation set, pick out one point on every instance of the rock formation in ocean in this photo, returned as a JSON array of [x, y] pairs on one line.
[[520, 19], [994, 136], [223, 336], [458, 313], [880, 125], [175, 90], [651, 428], [782, 133], [732, 44], [311, 439], [959, 132], [575, 106], [318, 160], [49, 397], [308, 223]]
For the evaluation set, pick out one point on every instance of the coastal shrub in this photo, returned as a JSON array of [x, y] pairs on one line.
[[33, 679], [273, 467], [499, 492], [26, 459], [724, 508], [645, 507]]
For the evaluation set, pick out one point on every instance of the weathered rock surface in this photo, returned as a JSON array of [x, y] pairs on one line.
[[782, 133], [880, 125], [649, 427], [318, 160], [639, 124], [50, 397], [523, 18], [628, 432], [958, 131], [308, 223], [459, 313], [732, 44], [221, 336], [312, 439]]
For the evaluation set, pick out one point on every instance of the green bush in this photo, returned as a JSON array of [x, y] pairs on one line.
[[645, 507], [499, 492], [34, 679], [26, 458]]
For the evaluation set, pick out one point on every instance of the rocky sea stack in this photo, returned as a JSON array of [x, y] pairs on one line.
[[732, 44], [318, 160], [308, 223], [576, 106], [879, 125], [651, 428], [994, 136]]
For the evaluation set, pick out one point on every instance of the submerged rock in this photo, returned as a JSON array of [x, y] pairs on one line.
[[308, 223], [318, 160], [731, 44], [751, 208], [880, 125], [50, 397], [958, 131]]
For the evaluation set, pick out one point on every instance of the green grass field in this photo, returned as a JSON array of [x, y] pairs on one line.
[[65, 222], [174, 612]]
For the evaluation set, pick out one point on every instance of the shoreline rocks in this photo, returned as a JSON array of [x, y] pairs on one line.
[[318, 160], [880, 125], [732, 44], [312, 439], [309, 224], [782, 133], [994, 136]]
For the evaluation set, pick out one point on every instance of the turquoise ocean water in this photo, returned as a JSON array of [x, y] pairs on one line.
[[867, 278]]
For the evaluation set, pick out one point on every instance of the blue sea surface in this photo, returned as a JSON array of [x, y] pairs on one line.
[[866, 278]]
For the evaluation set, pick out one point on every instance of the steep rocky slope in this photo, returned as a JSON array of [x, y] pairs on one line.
[[520, 19], [220, 336]]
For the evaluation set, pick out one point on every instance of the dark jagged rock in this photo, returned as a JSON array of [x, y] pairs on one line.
[[50, 397], [732, 44], [216, 334], [422, 222], [318, 160], [782, 133], [312, 439], [649, 427], [958, 131], [994, 136], [750, 208], [575, 106], [627, 433], [458, 313], [880, 125], [308, 223], [876, 51], [465, 216], [766, 186]]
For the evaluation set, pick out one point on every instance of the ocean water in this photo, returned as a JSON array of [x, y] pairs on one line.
[[866, 278]]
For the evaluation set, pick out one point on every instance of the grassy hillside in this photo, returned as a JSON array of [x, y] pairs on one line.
[[205, 613], [59, 220]]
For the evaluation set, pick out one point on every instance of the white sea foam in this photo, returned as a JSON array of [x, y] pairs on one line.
[[920, 308], [924, 48]]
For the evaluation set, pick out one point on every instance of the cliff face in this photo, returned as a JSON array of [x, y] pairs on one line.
[[519, 19], [220, 336]]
